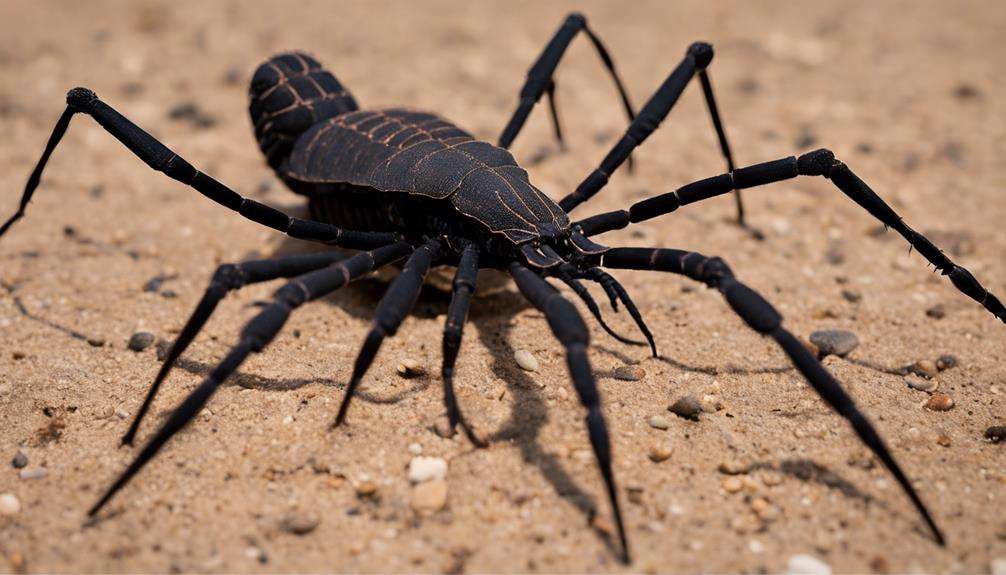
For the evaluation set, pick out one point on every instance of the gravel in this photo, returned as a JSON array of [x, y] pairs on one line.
[[925, 368], [141, 340], [299, 522], [940, 402], [430, 495], [687, 407], [920, 384], [659, 422], [20, 460], [9, 504], [996, 433], [423, 469], [410, 368], [658, 453], [526, 360], [807, 565], [35, 473], [946, 362], [835, 342], [629, 373]]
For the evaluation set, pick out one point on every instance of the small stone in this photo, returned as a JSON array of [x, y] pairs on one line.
[[427, 469], [20, 460], [835, 342], [938, 311], [943, 440], [430, 495], [526, 360], [997, 566], [813, 349], [946, 362], [410, 368], [711, 403], [18, 355], [732, 484], [629, 373], [852, 296], [299, 522], [940, 402], [415, 449], [96, 341], [36, 473], [734, 467], [926, 368], [140, 340], [926, 385], [9, 504], [807, 565], [687, 407], [658, 453], [996, 433], [366, 489], [602, 524], [659, 422]]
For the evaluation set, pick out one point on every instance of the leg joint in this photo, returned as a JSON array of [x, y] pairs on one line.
[[702, 52], [80, 99], [817, 163]]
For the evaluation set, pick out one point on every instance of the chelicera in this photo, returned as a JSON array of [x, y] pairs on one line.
[[410, 188]]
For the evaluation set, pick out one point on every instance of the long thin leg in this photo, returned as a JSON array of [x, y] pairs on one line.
[[227, 278], [540, 78], [696, 60], [763, 318], [254, 338], [817, 163], [159, 157], [396, 303], [569, 329], [465, 283], [567, 275]]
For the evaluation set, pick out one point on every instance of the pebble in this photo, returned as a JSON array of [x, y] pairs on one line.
[[526, 360], [430, 495], [997, 566], [299, 522], [732, 484], [18, 354], [734, 467], [141, 340], [427, 469], [926, 385], [943, 440], [629, 373], [940, 402], [9, 504], [937, 311], [415, 449], [996, 433], [835, 342], [946, 362], [687, 407], [659, 422], [925, 368], [410, 368], [659, 453], [807, 565], [366, 489], [852, 296], [20, 460], [36, 473]]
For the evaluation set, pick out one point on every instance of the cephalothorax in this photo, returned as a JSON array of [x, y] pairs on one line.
[[406, 186]]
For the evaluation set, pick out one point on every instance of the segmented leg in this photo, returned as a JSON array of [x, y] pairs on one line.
[[817, 163], [695, 62], [255, 336], [540, 78], [569, 329], [159, 157], [391, 311], [227, 278], [567, 273], [465, 283], [760, 316]]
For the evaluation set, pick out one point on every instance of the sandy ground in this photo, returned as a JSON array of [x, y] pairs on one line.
[[907, 93]]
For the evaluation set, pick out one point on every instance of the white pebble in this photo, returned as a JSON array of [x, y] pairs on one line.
[[659, 422], [807, 565], [426, 469], [36, 473], [998, 566], [756, 546], [415, 449], [9, 504], [926, 385], [526, 360]]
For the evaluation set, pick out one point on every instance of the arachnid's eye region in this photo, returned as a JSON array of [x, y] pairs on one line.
[[411, 190]]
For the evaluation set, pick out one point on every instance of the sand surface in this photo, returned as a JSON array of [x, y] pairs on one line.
[[909, 94]]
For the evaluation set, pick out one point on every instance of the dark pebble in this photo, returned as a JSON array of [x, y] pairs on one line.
[[141, 340], [687, 407], [996, 433], [966, 92], [835, 342], [852, 296], [21, 460], [169, 294], [946, 362], [96, 341], [18, 355], [937, 311]]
